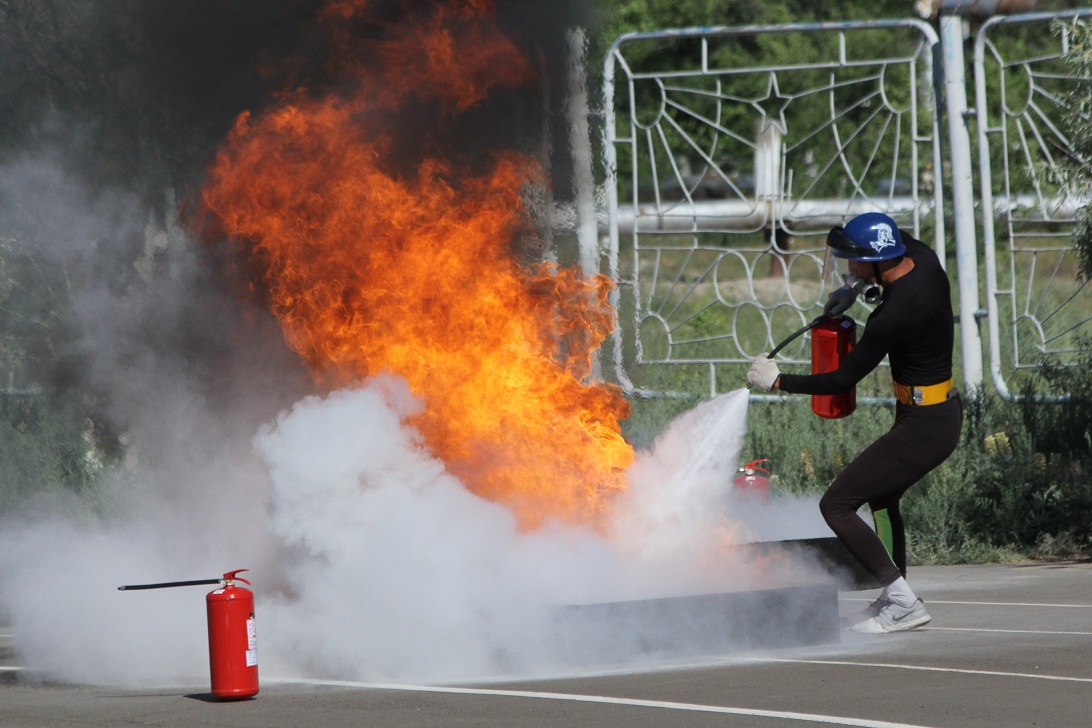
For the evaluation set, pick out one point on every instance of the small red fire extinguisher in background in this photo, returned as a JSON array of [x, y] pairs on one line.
[[831, 340], [233, 642], [750, 482]]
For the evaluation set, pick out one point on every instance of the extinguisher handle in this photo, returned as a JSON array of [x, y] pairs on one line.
[[231, 576]]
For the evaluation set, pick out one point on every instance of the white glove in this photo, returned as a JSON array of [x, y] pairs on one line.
[[839, 301], [763, 372]]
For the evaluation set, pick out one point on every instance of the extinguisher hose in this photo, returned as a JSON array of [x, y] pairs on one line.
[[226, 579], [167, 584], [818, 320]]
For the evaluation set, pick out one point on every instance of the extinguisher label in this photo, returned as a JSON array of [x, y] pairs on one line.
[[251, 643]]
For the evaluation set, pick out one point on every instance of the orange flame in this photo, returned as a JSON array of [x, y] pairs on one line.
[[370, 271]]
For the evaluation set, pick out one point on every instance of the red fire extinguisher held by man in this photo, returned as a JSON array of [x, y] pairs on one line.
[[831, 340], [233, 641]]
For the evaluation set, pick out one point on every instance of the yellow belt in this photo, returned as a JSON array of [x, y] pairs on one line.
[[930, 394]]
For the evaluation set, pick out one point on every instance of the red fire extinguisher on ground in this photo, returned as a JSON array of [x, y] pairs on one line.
[[233, 641], [754, 481], [831, 341]]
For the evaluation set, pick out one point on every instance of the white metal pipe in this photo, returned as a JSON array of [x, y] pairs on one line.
[[576, 111], [955, 94], [750, 215], [610, 155], [988, 232]]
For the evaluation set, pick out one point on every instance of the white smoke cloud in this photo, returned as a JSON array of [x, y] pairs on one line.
[[407, 575], [371, 561], [190, 501], [418, 578]]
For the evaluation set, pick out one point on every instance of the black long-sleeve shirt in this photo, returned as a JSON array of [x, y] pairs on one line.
[[913, 324]]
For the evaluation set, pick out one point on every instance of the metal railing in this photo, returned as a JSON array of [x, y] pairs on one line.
[[1036, 306]]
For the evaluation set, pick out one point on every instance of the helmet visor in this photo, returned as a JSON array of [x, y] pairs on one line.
[[835, 268]]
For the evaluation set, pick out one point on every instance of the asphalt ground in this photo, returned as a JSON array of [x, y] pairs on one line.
[[1009, 645]]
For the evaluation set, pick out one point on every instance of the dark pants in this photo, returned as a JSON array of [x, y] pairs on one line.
[[920, 440]]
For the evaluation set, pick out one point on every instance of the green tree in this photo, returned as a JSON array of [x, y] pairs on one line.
[[1078, 165]]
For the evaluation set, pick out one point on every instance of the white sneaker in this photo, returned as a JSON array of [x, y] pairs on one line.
[[893, 618], [854, 618]]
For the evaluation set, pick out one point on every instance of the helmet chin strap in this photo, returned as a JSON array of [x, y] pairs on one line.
[[876, 271]]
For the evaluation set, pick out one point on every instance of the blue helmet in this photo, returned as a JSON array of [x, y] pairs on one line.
[[870, 237]]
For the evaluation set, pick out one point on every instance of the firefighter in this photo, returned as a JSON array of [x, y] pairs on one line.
[[913, 326]]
